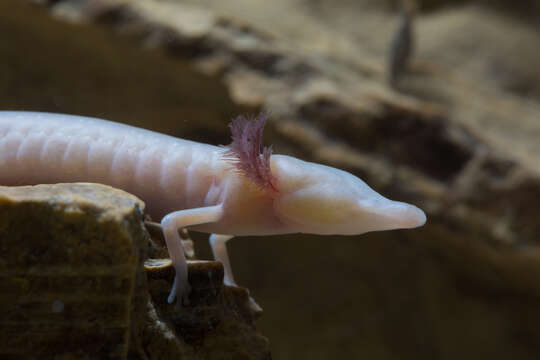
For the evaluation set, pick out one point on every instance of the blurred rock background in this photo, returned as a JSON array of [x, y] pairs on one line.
[[458, 136]]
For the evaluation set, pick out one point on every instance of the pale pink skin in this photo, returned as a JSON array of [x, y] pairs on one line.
[[188, 184]]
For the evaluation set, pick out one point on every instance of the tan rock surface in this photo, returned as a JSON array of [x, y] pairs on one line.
[[71, 262], [73, 285]]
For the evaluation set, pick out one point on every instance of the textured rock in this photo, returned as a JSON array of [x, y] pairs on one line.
[[73, 285], [459, 138], [71, 262], [219, 322]]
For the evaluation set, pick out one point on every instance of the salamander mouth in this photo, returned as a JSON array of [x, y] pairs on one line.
[[395, 215]]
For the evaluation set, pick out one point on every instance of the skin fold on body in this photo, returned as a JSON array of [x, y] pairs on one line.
[[242, 189]]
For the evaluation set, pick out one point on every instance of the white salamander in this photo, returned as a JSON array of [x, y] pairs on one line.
[[239, 190]]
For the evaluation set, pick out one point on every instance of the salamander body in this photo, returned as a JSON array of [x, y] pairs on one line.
[[239, 190]]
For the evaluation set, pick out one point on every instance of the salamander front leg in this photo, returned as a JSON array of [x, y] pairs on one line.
[[219, 248], [170, 224]]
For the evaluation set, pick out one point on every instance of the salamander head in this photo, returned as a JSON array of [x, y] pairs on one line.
[[312, 198], [320, 199]]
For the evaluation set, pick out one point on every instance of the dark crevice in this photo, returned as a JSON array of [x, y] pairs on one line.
[[423, 143], [404, 137]]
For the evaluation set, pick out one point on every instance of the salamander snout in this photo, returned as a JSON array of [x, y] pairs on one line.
[[324, 200], [408, 216], [385, 214]]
